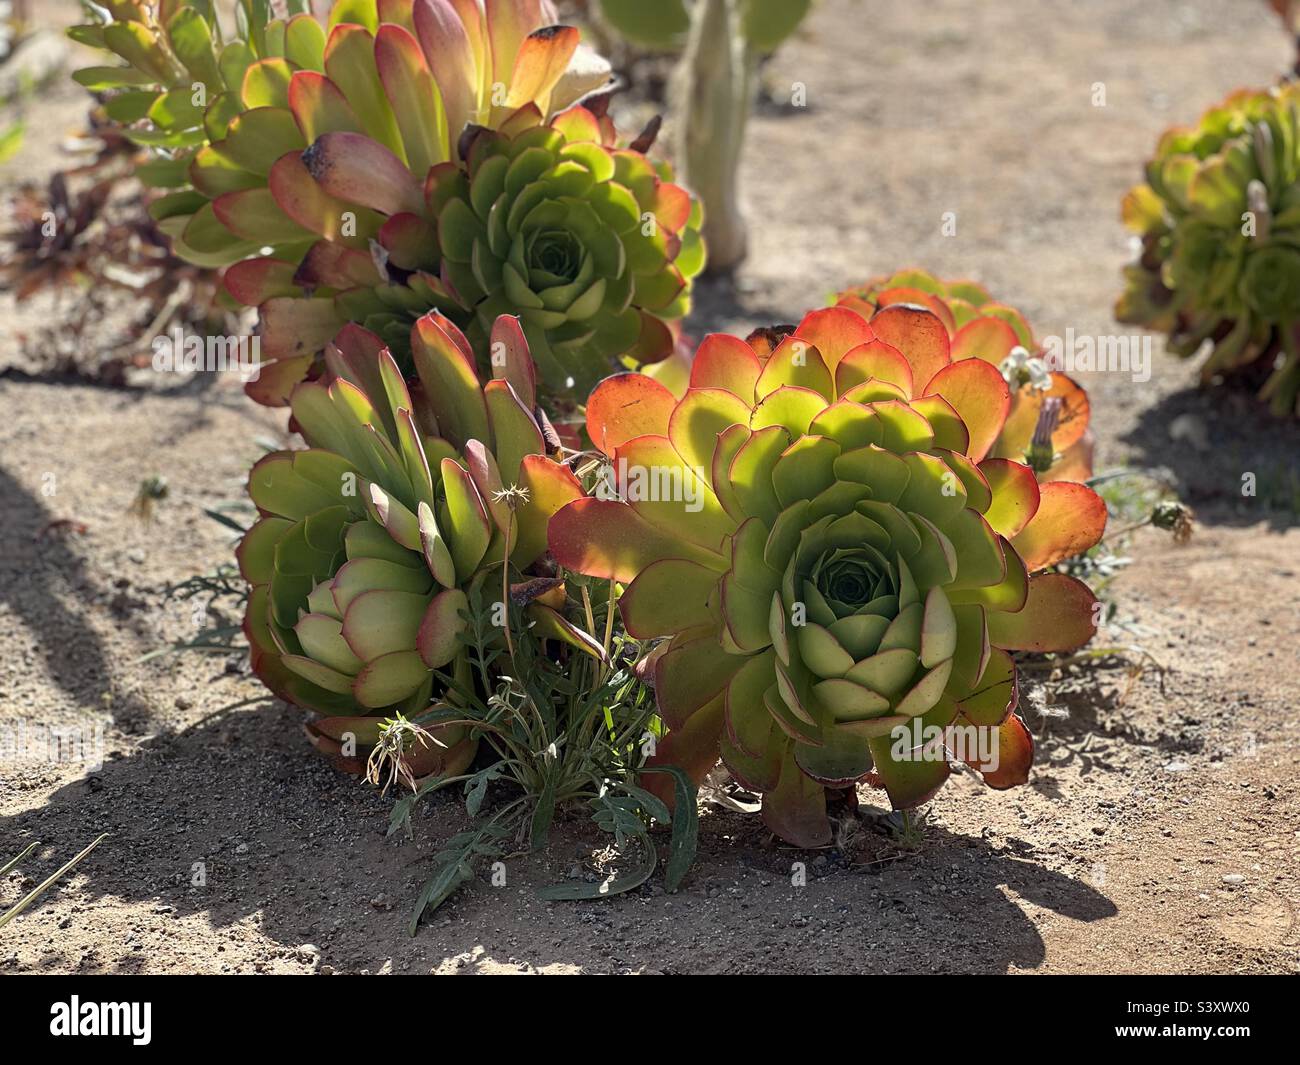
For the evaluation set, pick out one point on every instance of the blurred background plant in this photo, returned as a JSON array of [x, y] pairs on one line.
[[721, 45], [1289, 12], [11, 19], [15, 83], [1218, 235], [86, 239]]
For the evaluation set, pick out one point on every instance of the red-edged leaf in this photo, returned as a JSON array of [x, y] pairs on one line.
[[835, 331], [277, 380], [603, 538], [254, 281], [1015, 495], [319, 106], [577, 124], [298, 326], [626, 406], [877, 360], [414, 96], [667, 597], [550, 488], [356, 169], [979, 395], [511, 360], [1014, 747], [450, 55], [919, 335], [450, 381], [725, 361], [1058, 615], [917, 296], [989, 339], [796, 809], [542, 59], [410, 241], [1070, 519], [693, 747], [672, 206], [330, 265]]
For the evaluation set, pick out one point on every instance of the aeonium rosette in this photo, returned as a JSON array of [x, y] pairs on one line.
[[1047, 425], [818, 530], [1217, 223], [415, 155], [406, 497], [223, 106]]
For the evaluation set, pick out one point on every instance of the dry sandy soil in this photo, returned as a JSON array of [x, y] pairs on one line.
[[1159, 830]]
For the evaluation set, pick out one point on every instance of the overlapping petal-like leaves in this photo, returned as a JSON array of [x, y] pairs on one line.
[[369, 539], [1219, 222], [407, 74], [417, 155], [981, 328], [832, 552], [589, 244]]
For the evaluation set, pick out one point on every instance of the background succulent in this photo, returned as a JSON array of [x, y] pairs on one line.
[[1289, 12], [979, 327], [368, 540], [832, 553], [1219, 222], [722, 43], [408, 156]]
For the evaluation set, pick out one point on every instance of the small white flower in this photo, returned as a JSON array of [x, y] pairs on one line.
[[1020, 368], [1039, 376], [1014, 363]]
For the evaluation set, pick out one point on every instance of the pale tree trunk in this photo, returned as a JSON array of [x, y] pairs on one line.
[[717, 82]]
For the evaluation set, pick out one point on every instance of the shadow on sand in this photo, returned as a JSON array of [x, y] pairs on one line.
[[1209, 441], [290, 845]]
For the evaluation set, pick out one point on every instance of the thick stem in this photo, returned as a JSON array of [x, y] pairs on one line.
[[717, 83]]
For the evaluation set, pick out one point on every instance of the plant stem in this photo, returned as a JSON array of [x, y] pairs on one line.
[[717, 84]]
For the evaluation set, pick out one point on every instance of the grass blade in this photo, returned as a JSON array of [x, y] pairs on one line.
[[22, 904], [14, 861]]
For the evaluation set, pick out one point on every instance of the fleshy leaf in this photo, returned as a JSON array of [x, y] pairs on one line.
[[1070, 519], [1059, 615]]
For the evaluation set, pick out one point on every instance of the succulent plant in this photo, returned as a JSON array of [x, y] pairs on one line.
[[586, 242], [1044, 402], [426, 155], [1219, 222], [368, 539], [722, 43], [833, 556]]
